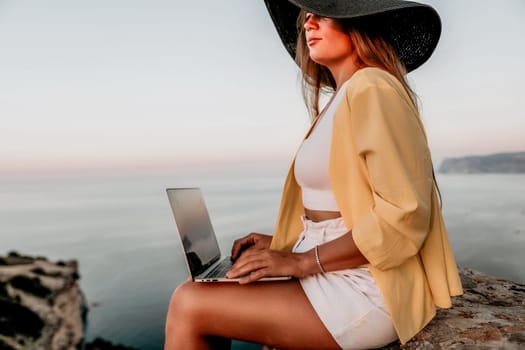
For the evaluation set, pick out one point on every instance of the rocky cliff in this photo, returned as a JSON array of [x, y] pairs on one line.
[[503, 163], [41, 304]]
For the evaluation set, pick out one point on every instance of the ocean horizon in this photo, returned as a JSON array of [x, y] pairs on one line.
[[121, 230]]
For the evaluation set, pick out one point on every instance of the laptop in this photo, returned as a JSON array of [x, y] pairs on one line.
[[201, 250]]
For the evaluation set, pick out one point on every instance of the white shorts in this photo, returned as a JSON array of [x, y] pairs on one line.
[[348, 302]]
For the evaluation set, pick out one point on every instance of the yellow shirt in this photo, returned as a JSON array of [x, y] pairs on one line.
[[381, 173]]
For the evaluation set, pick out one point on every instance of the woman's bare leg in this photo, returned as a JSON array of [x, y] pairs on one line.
[[272, 313]]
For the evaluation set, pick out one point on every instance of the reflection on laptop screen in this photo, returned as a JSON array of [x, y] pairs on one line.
[[195, 229]]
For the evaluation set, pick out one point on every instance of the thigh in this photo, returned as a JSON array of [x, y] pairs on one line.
[[273, 313]]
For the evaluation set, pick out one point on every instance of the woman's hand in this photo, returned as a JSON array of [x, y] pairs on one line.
[[258, 263], [253, 241]]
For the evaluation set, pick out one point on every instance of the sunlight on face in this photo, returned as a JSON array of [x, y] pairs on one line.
[[326, 41]]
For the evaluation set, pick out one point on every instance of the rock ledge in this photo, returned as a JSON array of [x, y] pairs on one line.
[[489, 315]]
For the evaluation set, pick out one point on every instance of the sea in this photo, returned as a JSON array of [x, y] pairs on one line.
[[120, 228]]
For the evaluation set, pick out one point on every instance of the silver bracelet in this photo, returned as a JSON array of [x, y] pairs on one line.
[[317, 260]]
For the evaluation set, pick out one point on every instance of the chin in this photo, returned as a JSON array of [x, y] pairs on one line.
[[319, 56], [318, 60]]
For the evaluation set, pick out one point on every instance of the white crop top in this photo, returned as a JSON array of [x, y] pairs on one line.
[[311, 161]]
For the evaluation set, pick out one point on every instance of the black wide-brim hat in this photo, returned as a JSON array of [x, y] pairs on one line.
[[413, 29]]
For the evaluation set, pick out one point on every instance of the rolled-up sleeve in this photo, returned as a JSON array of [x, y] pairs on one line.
[[390, 140]]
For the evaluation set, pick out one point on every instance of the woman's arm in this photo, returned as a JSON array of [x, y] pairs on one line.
[[338, 254], [390, 140]]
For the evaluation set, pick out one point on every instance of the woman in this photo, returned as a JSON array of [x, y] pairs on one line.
[[360, 225]]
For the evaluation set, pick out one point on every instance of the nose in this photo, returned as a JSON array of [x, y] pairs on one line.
[[311, 22]]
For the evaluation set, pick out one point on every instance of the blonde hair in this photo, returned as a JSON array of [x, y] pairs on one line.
[[372, 51]]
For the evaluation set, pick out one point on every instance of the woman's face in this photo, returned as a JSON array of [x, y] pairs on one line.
[[327, 43]]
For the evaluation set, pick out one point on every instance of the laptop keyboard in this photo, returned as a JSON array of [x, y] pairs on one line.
[[221, 269]]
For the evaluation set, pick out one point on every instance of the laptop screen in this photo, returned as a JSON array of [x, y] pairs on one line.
[[195, 229]]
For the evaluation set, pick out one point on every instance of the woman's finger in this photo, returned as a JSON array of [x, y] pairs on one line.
[[254, 241], [272, 263], [245, 267], [254, 276], [239, 244]]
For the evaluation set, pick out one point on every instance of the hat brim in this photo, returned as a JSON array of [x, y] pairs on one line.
[[411, 28]]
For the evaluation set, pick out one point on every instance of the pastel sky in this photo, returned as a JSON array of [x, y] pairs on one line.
[[94, 84]]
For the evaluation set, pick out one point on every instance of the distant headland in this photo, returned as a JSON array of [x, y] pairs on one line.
[[500, 163]]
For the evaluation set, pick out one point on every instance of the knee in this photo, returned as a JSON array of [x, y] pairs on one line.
[[182, 325], [183, 305]]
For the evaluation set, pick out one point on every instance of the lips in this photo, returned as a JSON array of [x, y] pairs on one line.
[[311, 41]]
